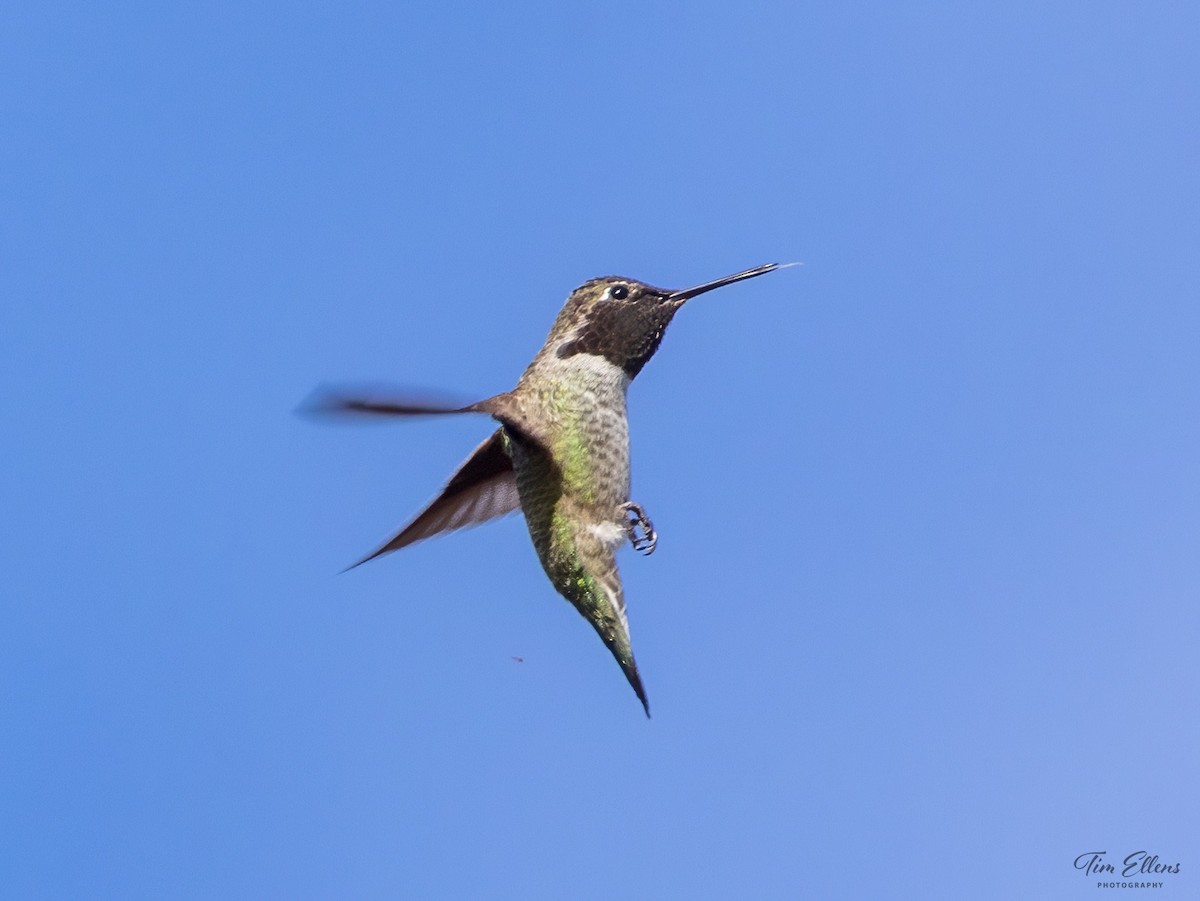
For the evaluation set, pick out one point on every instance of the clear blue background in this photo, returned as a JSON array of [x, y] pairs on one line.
[[923, 619]]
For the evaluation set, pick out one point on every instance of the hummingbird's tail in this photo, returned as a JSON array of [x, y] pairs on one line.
[[616, 637], [585, 573], [631, 673]]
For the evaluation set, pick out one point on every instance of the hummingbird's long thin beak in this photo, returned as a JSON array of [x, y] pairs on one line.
[[727, 280]]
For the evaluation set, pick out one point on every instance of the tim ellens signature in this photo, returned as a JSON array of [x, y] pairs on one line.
[[1137, 863]]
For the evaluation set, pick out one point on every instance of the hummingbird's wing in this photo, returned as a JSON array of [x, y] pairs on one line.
[[506, 408], [483, 488], [330, 401]]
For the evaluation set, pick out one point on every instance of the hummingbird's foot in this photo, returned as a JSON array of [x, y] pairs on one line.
[[641, 531]]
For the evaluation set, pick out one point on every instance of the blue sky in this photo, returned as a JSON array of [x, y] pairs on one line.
[[923, 617]]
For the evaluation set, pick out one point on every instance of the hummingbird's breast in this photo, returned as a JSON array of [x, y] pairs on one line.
[[581, 401]]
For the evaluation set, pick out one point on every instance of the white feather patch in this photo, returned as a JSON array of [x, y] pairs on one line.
[[611, 533]]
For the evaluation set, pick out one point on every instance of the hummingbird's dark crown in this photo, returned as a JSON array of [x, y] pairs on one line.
[[619, 319]]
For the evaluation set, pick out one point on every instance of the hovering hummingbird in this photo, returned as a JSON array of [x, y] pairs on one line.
[[561, 454]]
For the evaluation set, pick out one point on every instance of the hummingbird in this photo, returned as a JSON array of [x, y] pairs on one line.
[[561, 452]]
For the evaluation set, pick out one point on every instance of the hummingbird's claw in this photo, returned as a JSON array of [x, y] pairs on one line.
[[641, 531]]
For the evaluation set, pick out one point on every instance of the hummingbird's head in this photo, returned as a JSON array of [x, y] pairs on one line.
[[623, 320]]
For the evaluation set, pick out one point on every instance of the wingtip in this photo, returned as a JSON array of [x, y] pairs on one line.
[[386, 549]]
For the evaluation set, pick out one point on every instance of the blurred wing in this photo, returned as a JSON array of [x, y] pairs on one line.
[[367, 401], [507, 408], [483, 488]]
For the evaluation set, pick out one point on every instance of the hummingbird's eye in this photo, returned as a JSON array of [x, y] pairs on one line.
[[618, 292]]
